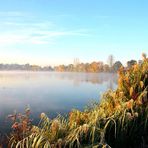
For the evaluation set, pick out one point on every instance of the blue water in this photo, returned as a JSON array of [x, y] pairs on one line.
[[50, 92]]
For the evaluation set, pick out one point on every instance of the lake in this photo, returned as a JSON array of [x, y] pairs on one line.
[[49, 92]]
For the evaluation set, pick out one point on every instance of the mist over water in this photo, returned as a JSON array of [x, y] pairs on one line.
[[50, 92]]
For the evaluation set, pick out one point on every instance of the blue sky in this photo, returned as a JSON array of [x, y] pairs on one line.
[[52, 32]]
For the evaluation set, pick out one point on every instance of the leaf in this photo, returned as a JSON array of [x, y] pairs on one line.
[[141, 84], [131, 91]]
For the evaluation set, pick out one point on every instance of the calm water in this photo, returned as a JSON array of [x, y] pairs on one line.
[[50, 92]]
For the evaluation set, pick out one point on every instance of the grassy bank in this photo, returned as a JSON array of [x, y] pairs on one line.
[[119, 120]]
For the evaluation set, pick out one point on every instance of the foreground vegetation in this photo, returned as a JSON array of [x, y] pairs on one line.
[[119, 120]]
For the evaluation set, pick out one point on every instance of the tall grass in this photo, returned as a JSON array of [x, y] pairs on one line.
[[119, 120]]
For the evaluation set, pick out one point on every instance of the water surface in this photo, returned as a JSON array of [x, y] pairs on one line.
[[50, 92]]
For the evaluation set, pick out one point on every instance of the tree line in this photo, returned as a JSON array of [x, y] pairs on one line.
[[26, 67], [93, 67]]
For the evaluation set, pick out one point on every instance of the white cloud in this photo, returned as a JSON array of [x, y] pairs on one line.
[[37, 37], [12, 14], [8, 39], [25, 31], [11, 39], [60, 33]]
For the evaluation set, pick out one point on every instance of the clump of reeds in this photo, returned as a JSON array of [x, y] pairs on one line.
[[21, 126], [119, 120]]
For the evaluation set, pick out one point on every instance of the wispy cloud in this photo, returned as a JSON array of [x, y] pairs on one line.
[[59, 33], [12, 14], [39, 33], [32, 32], [38, 37]]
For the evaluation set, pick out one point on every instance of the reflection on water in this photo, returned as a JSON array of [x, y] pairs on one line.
[[50, 92]]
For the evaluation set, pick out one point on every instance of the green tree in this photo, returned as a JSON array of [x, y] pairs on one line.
[[117, 65]]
